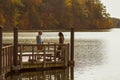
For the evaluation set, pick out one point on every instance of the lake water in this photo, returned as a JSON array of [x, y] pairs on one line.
[[97, 54]]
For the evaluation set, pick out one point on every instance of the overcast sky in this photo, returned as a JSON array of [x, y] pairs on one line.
[[113, 7]]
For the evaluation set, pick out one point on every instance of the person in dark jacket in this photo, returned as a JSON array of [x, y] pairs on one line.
[[61, 41]]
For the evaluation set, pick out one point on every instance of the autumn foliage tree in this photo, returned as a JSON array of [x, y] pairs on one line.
[[54, 14]]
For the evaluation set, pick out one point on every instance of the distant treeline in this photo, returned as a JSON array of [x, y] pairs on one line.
[[53, 14], [116, 22]]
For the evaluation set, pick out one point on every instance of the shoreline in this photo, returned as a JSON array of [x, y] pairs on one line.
[[80, 30]]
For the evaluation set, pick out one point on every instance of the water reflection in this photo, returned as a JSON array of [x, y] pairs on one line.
[[56, 74], [89, 52]]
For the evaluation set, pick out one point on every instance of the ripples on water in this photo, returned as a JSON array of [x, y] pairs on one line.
[[97, 54], [88, 52]]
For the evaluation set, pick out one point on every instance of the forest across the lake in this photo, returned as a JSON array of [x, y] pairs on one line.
[[54, 14]]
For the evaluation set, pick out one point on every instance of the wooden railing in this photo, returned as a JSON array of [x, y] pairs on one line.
[[30, 57], [7, 58], [48, 56]]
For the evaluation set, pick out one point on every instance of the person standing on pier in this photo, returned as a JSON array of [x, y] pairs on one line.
[[39, 38], [61, 38], [61, 41], [39, 41]]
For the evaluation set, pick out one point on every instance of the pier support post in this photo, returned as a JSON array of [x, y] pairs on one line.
[[15, 46], [2, 76], [72, 72], [15, 53], [1, 53], [72, 47]]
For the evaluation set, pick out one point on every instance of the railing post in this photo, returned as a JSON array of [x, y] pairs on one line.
[[0, 52], [72, 47]]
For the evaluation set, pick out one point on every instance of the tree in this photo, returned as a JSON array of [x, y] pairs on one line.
[[54, 14]]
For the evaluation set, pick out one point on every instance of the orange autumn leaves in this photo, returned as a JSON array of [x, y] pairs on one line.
[[53, 14]]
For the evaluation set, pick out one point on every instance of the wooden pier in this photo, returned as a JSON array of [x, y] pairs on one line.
[[16, 57], [30, 57]]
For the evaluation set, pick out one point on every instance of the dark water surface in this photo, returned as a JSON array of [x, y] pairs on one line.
[[97, 56]]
